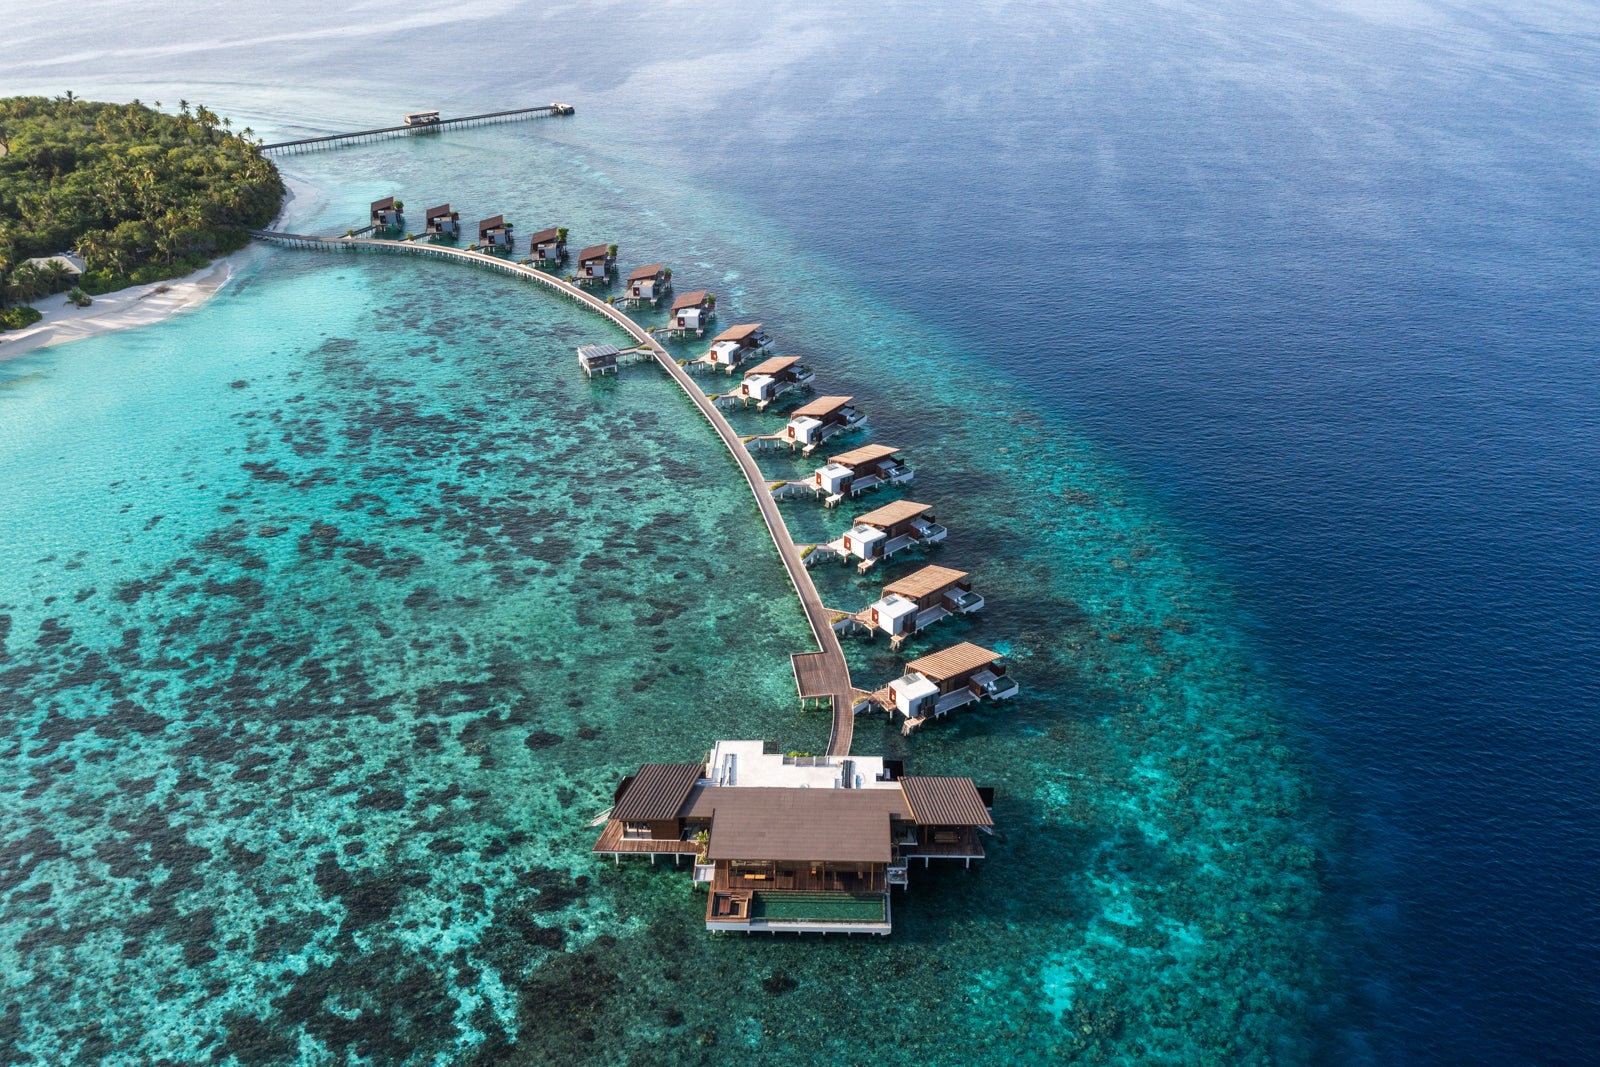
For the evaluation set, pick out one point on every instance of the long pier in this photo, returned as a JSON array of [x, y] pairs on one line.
[[825, 672], [334, 140]]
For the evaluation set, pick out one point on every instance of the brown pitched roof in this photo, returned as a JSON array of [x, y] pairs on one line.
[[384, 204], [490, 224], [594, 252], [949, 662], [435, 212], [545, 235], [772, 366], [865, 454], [920, 583], [821, 407], [799, 825], [738, 333], [657, 792], [899, 511], [647, 272], [945, 802], [689, 300]]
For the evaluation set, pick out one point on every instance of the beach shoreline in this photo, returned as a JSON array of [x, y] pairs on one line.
[[137, 305]]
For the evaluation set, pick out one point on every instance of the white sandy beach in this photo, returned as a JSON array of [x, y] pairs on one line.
[[137, 305]]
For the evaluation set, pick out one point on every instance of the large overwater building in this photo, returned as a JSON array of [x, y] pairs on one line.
[[794, 843]]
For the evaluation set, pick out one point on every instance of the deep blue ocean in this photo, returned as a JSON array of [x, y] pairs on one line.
[[1291, 310]]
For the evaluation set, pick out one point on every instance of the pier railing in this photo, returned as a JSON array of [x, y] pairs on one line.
[[841, 691]]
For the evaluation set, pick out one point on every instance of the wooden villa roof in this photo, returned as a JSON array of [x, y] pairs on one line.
[[920, 583], [799, 825], [899, 511], [821, 407], [865, 454], [657, 792], [383, 205], [949, 662], [772, 366], [644, 273], [546, 235], [492, 224], [594, 252], [689, 300], [945, 802], [738, 333], [436, 212]]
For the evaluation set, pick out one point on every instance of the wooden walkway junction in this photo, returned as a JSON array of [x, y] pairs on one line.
[[335, 140], [826, 675]]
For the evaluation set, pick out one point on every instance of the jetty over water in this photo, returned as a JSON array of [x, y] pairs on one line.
[[409, 129], [822, 675]]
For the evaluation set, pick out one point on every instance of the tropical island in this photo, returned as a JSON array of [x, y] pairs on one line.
[[135, 194]]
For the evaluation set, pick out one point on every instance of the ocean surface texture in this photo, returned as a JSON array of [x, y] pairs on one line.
[[1245, 350]]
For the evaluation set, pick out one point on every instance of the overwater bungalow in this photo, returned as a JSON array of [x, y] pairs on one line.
[[815, 422], [854, 472], [917, 601], [549, 246], [386, 213], [734, 345], [596, 263], [795, 844], [649, 284], [879, 534], [494, 234], [691, 312], [441, 220], [598, 359], [936, 685], [771, 378]]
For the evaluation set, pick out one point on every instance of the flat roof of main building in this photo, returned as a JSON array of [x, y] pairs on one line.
[[949, 662], [889, 514], [865, 454], [919, 584], [821, 407], [799, 825]]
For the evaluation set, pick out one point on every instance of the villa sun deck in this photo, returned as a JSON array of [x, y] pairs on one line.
[[750, 911], [612, 842], [802, 878]]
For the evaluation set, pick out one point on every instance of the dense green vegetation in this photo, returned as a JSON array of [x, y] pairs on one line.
[[139, 194]]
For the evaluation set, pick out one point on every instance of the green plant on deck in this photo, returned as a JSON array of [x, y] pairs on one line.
[[561, 234], [702, 838], [399, 205], [611, 251], [711, 300]]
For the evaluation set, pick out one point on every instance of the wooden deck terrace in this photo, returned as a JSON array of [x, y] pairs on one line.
[[612, 842], [833, 677], [799, 878], [956, 844]]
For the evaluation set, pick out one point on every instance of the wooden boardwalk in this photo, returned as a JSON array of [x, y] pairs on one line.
[[334, 140], [827, 673]]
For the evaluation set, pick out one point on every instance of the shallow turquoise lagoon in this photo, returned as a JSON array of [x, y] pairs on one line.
[[334, 611]]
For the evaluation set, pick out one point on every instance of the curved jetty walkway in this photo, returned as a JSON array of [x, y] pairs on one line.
[[821, 674]]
